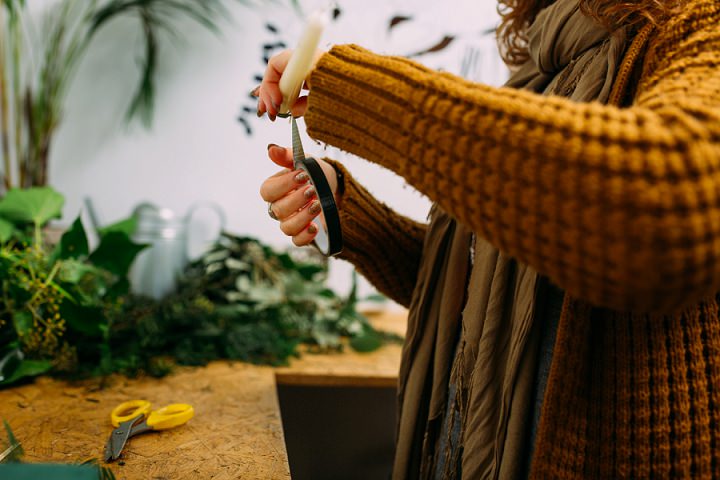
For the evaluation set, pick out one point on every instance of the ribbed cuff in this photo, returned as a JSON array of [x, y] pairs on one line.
[[384, 245]]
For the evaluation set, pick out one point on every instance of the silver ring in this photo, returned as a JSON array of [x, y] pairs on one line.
[[270, 211]]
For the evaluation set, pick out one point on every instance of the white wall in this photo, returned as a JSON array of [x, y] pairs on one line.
[[196, 150]]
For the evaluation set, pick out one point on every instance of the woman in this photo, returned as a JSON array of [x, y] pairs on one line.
[[563, 298]]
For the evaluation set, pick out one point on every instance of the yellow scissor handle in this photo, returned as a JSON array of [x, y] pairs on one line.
[[129, 410], [173, 415]]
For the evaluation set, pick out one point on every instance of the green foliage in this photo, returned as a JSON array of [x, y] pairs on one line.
[[54, 304], [10, 450], [36, 206], [156, 17], [67, 309], [38, 62], [242, 300]]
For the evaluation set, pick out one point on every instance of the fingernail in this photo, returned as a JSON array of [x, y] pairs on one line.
[[315, 208], [312, 229], [302, 177], [309, 193], [259, 113], [255, 91], [272, 145]]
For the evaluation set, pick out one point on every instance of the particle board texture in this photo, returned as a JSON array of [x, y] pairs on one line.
[[236, 432], [349, 368]]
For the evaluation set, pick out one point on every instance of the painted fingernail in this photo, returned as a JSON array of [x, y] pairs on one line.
[[273, 145], [314, 208], [302, 177], [312, 229], [309, 193], [255, 91], [259, 113]]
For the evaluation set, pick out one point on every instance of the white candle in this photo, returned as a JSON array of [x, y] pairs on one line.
[[301, 61]]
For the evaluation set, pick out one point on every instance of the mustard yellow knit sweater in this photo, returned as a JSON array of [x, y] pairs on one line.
[[618, 205]]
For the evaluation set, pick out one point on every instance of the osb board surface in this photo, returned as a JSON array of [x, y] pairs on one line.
[[236, 432], [349, 368]]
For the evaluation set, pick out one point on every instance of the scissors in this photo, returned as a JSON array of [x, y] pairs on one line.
[[135, 417], [329, 237]]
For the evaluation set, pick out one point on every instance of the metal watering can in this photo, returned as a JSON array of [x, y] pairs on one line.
[[156, 269]]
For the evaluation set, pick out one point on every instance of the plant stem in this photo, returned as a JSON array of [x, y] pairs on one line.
[[17, 88], [4, 114]]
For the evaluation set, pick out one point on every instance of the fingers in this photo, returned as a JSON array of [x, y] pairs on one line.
[[300, 226], [306, 236], [280, 185], [269, 94], [299, 107], [299, 220], [290, 204], [280, 155]]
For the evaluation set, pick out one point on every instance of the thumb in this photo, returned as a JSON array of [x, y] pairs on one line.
[[281, 155]]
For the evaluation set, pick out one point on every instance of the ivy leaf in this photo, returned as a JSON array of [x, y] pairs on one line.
[[73, 243], [33, 205], [126, 226], [116, 253], [27, 368], [87, 320], [7, 230]]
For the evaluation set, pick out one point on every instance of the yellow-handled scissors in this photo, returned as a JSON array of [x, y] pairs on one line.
[[136, 416]]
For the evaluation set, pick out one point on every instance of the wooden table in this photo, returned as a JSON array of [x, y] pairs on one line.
[[350, 368], [236, 432]]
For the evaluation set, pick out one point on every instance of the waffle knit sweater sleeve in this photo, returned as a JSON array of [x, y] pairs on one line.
[[367, 223], [618, 206]]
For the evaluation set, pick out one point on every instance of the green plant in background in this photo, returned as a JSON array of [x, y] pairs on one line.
[[67, 310], [37, 66], [242, 300], [55, 301]]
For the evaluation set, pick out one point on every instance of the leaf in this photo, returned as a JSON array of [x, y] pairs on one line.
[[376, 298], [116, 253], [7, 230], [127, 226], [441, 45], [83, 319], [73, 243], [27, 368], [72, 271], [398, 19], [14, 450], [33, 205], [10, 362], [22, 320], [368, 341]]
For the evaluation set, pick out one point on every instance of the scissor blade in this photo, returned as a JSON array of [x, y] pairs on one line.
[[298, 152], [108, 448], [119, 436]]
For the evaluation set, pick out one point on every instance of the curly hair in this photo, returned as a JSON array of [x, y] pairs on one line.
[[517, 15]]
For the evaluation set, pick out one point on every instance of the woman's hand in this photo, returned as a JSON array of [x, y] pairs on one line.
[[292, 200], [269, 95]]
